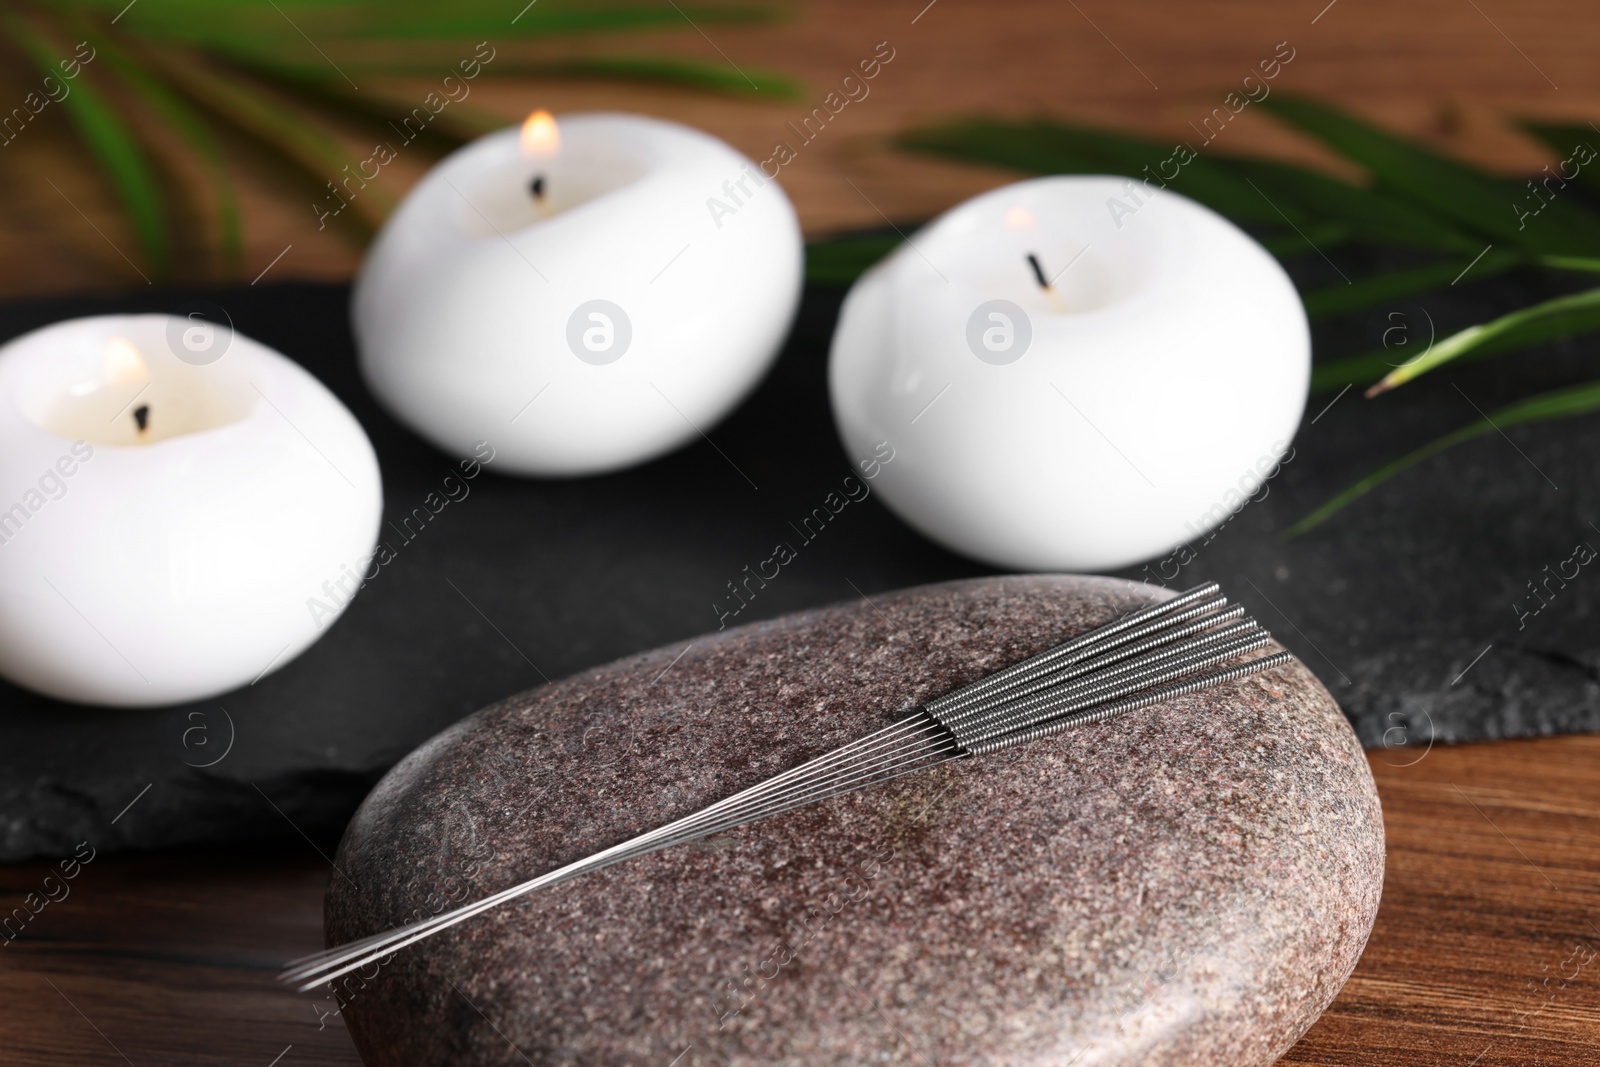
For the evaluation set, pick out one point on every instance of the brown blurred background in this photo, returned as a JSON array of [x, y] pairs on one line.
[[1450, 71]]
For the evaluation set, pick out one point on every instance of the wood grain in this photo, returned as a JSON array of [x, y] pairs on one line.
[[1491, 898], [1451, 71], [1486, 950], [1487, 945]]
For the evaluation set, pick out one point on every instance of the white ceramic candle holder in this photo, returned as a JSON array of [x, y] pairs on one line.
[[1076, 373], [587, 295], [172, 494]]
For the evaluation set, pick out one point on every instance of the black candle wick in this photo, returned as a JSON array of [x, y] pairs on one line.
[[141, 416], [1038, 271], [537, 186]]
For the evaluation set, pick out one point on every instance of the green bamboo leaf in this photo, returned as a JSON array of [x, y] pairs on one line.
[[1561, 317], [450, 128], [1586, 264], [1044, 147], [189, 125], [1472, 198], [458, 21], [1546, 407], [1246, 190], [206, 23], [304, 145], [1338, 373], [711, 75], [719, 77], [1579, 147], [110, 141], [420, 36], [1367, 292], [1369, 216], [1315, 237], [1559, 322], [689, 73]]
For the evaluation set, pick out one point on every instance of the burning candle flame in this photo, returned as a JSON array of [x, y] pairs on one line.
[[1018, 218], [122, 363], [540, 133]]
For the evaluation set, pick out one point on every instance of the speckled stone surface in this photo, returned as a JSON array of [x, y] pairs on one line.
[[1191, 884]]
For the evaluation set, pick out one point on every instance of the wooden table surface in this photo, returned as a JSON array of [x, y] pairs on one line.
[[1452, 71], [1486, 950]]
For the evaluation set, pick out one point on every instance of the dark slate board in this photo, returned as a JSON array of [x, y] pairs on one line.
[[1388, 602]]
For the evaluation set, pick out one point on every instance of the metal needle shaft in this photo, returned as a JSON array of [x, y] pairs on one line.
[[1151, 655]]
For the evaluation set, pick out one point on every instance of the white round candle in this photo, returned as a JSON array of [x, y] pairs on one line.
[[588, 294], [1076, 373], [171, 496]]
